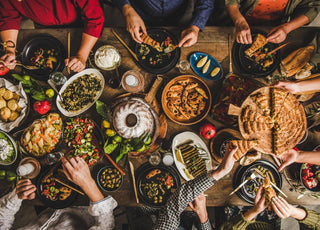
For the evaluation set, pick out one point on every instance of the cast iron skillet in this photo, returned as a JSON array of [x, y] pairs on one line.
[[243, 172], [46, 42], [249, 67], [58, 204], [141, 179], [168, 63]]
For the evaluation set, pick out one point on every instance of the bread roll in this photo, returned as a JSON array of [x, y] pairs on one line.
[[5, 113], [3, 103], [16, 97], [14, 115], [7, 95], [13, 104], [2, 90]]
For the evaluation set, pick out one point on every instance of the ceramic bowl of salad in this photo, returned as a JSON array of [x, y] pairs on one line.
[[8, 149], [310, 175]]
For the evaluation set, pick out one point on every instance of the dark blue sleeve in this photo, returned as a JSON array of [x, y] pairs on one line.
[[120, 3], [202, 11]]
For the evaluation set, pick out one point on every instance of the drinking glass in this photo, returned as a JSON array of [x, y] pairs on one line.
[[183, 66], [57, 78]]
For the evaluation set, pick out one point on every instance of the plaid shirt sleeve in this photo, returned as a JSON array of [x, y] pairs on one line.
[[170, 215], [206, 226]]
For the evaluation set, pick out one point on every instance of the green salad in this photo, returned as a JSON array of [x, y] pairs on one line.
[[7, 152]]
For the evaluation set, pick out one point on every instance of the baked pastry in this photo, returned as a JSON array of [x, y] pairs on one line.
[[132, 119], [243, 147], [3, 103], [259, 42], [275, 118], [269, 192], [151, 42], [297, 60], [5, 113], [7, 95]]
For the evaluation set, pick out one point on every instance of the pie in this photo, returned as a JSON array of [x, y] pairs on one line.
[[274, 117], [259, 42], [243, 147]]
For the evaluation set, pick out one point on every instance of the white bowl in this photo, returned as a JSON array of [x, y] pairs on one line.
[[107, 47], [74, 77]]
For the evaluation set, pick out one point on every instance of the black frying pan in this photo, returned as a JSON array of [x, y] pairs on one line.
[[169, 61], [243, 172], [141, 179], [45, 42], [248, 65]]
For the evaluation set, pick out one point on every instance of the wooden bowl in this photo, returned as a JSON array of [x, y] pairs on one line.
[[182, 120]]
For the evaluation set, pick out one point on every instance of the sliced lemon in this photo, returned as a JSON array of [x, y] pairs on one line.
[[215, 71], [202, 61], [206, 67]]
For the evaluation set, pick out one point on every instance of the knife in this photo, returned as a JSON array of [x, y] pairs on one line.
[[252, 176], [134, 181]]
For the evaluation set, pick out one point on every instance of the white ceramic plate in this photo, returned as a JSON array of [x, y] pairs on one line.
[[183, 138], [74, 77]]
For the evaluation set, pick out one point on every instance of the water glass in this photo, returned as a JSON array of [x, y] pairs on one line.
[[183, 66], [155, 158], [57, 78], [52, 158]]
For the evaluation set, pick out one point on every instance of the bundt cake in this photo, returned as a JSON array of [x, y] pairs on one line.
[[132, 118]]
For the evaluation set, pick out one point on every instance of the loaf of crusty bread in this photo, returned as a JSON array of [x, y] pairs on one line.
[[295, 61]]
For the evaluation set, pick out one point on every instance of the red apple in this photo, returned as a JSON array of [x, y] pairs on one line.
[[207, 131]]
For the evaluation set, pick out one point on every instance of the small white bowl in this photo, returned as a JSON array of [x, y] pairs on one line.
[[104, 49]]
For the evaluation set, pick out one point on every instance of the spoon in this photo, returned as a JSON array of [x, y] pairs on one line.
[[54, 88]]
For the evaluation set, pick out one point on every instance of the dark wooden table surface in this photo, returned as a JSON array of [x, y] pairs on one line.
[[214, 41]]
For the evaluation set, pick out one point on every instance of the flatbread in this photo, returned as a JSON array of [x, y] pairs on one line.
[[243, 147]]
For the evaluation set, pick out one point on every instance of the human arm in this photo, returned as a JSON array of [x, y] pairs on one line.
[[78, 62], [202, 11], [9, 57], [135, 24], [200, 208], [301, 86], [243, 32], [279, 33], [291, 156], [93, 19], [170, 215], [10, 203]]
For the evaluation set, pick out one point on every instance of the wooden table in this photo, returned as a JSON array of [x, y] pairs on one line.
[[214, 40]]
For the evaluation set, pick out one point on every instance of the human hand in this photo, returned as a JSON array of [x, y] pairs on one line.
[[134, 22], [243, 32], [189, 36], [288, 158], [259, 201], [278, 34], [282, 208], [226, 164], [292, 87], [76, 63], [9, 60], [25, 190], [77, 171], [200, 208]]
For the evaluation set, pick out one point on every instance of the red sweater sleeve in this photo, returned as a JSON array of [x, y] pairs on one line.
[[10, 18], [92, 16]]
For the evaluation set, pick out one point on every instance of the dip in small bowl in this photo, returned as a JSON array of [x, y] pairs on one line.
[[107, 57], [8, 149]]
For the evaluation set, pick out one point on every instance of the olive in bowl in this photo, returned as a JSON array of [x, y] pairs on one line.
[[109, 179]]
